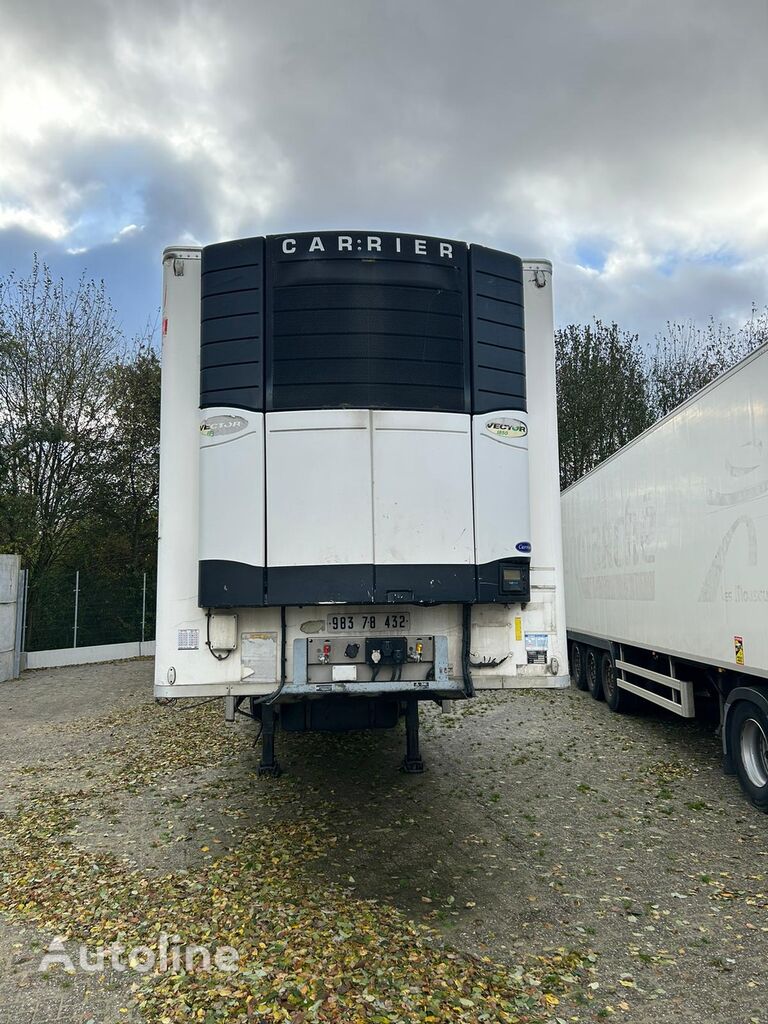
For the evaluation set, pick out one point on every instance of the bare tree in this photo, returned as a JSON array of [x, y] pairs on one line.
[[56, 349], [687, 357]]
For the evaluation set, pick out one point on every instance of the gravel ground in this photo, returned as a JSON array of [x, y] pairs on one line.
[[543, 823]]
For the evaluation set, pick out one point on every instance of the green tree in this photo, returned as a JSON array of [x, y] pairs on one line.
[[124, 497], [602, 394]]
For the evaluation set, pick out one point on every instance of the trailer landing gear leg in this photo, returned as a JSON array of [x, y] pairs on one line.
[[412, 761], [269, 764]]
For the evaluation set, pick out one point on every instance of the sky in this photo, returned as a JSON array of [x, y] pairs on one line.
[[625, 140]]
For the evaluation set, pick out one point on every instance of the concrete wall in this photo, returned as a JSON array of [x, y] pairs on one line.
[[88, 655], [9, 592]]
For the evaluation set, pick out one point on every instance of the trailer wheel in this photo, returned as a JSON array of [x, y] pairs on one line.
[[577, 667], [594, 680], [749, 749], [616, 699]]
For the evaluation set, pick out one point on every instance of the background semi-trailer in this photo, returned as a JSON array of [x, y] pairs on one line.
[[359, 503], [666, 565]]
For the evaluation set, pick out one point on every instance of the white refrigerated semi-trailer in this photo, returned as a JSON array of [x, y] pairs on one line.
[[666, 568], [359, 504]]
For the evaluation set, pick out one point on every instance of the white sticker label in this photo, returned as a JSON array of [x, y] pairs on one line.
[[259, 657], [536, 641], [189, 639]]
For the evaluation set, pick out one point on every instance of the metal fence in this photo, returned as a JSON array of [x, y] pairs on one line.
[[83, 609]]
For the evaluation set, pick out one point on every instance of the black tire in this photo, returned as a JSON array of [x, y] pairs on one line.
[[578, 676], [617, 700], [594, 679], [748, 742]]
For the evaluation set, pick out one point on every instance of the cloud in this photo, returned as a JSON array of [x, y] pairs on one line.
[[624, 141], [124, 232]]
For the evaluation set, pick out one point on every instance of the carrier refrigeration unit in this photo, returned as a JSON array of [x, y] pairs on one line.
[[666, 569], [358, 479]]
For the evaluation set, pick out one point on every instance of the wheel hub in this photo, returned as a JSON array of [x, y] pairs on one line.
[[609, 679], [754, 752]]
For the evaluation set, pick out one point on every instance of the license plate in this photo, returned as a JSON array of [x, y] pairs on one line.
[[375, 622]]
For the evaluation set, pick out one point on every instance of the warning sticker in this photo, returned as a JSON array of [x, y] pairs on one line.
[[188, 640], [738, 649]]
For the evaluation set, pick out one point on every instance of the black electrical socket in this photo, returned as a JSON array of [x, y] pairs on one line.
[[393, 650]]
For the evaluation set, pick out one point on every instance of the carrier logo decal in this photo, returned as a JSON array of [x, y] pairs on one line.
[[386, 245], [216, 426], [507, 428]]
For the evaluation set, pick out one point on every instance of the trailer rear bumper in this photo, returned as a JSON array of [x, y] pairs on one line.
[[449, 689]]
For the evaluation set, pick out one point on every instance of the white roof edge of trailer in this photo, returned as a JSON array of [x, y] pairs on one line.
[[760, 350], [191, 252], [182, 252]]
